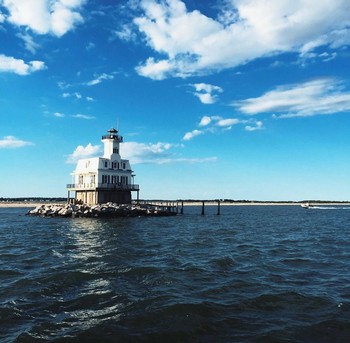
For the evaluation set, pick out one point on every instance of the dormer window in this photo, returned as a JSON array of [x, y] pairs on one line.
[[106, 164]]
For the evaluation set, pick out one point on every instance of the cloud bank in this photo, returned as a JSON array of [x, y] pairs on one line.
[[137, 153], [83, 152], [316, 97], [55, 17], [18, 66], [212, 124], [206, 93], [11, 142], [190, 43], [98, 79]]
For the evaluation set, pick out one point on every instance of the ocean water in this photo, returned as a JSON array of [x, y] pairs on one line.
[[252, 274]]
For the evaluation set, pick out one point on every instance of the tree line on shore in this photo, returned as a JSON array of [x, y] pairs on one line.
[[228, 201]]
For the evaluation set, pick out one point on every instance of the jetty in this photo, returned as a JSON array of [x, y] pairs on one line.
[[108, 210]]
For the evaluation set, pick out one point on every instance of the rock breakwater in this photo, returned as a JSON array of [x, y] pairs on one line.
[[108, 210]]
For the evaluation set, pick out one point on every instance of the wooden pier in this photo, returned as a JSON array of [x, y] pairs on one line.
[[165, 206], [177, 206]]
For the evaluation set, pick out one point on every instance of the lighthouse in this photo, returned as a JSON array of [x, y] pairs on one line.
[[104, 179]]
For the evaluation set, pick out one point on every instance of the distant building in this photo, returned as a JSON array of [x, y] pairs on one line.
[[104, 179]]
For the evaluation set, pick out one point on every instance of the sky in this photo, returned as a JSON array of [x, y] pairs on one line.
[[216, 99]]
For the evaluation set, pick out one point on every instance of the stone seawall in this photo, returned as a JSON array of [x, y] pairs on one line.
[[108, 210]]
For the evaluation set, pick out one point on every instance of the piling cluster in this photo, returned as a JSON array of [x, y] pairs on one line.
[[103, 210]]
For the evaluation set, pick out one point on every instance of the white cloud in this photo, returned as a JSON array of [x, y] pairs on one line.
[[189, 135], [205, 121], [63, 85], [18, 66], [142, 152], [89, 98], [59, 115], [155, 70], [100, 78], [320, 96], [244, 30], [326, 57], [228, 122], [90, 46], [212, 124], [45, 16], [11, 142], [206, 93], [29, 43], [83, 116], [76, 95], [258, 125], [126, 33], [83, 152], [157, 153]]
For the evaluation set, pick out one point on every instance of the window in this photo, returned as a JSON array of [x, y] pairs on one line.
[[124, 180], [123, 165], [81, 179], [106, 164], [105, 178]]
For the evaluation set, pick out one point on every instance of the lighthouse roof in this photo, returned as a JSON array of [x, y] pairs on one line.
[[113, 134]]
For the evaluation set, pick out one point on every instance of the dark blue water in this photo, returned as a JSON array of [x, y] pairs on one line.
[[252, 274]]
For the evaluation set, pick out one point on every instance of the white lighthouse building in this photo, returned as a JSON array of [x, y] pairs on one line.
[[104, 179]]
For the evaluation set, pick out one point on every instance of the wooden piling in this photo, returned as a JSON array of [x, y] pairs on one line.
[[202, 208], [218, 208]]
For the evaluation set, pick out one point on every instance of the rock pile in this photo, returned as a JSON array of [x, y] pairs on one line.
[[103, 210]]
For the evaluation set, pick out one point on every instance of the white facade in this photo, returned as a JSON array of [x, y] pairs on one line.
[[103, 179]]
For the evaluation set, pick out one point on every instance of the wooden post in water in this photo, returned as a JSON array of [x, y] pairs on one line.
[[218, 208], [202, 208], [182, 207]]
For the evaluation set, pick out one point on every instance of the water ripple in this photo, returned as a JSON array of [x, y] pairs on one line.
[[252, 274]]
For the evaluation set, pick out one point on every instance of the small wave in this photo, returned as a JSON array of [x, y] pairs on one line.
[[138, 271], [224, 262], [287, 302], [9, 272], [325, 331]]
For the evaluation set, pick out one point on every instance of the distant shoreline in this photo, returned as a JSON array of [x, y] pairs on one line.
[[4, 204], [28, 204], [264, 203]]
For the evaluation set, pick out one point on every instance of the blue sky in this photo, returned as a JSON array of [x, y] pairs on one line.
[[238, 99]]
